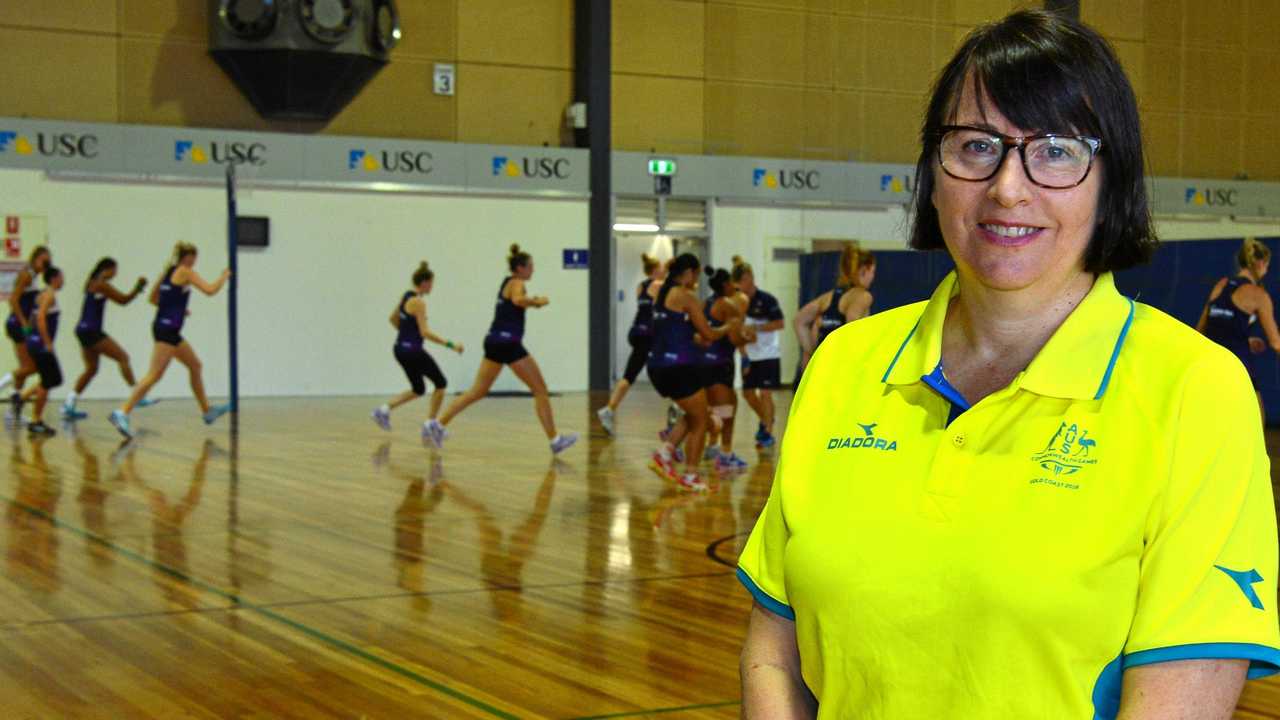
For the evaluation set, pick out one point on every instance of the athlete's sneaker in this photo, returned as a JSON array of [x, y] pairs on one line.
[[691, 482], [663, 434], [39, 428], [71, 414], [216, 412], [606, 419], [433, 433], [678, 455], [563, 442], [120, 422], [711, 453], [766, 441], [761, 433], [146, 402], [662, 466], [383, 418], [730, 463]]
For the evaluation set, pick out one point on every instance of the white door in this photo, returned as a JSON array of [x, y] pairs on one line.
[[628, 272]]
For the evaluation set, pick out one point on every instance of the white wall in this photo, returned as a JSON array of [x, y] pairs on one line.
[[314, 306]]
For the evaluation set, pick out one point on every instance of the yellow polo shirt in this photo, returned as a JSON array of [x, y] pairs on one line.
[[1110, 508]]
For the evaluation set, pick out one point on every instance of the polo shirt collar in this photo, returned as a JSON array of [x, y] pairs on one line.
[[1076, 363]]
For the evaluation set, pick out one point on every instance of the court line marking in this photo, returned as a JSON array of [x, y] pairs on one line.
[[307, 630], [659, 711]]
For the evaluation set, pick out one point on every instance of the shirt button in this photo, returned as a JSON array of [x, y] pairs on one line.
[[958, 440]]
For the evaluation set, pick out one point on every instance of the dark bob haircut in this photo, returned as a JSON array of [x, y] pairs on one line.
[[1048, 73]]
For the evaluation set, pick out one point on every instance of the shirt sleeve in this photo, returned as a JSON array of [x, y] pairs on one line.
[[1207, 584], [773, 310]]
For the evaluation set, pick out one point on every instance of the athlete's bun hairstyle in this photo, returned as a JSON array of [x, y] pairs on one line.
[[180, 251], [741, 268], [852, 259], [650, 263], [680, 265], [103, 265], [719, 279], [36, 252], [1251, 252], [517, 258], [50, 273], [423, 274]]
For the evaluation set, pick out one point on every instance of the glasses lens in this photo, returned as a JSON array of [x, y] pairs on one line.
[[970, 154], [1058, 161]]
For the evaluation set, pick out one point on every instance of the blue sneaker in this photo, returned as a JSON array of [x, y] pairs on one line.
[[767, 441], [382, 418], [563, 442], [120, 422], [730, 462], [433, 433], [216, 412], [761, 434], [146, 402], [71, 414]]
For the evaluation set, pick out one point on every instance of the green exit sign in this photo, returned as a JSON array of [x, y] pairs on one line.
[[664, 168]]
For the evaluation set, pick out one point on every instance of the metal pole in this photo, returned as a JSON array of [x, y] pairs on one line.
[[232, 242]]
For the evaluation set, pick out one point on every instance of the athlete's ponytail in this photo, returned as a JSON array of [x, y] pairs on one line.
[[1251, 252], [103, 265], [740, 268], [517, 258], [682, 264], [181, 251], [36, 253], [51, 273], [650, 263], [423, 274]]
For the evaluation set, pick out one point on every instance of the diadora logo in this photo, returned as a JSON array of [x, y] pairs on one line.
[[220, 153], [786, 179], [868, 440], [1068, 451], [546, 168], [392, 161], [67, 145], [1213, 197], [896, 184]]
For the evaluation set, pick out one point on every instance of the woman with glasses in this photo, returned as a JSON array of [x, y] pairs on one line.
[[1235, 303], [1029, 496]]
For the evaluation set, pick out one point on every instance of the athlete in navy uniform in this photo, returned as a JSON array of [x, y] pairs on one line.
[[503, 346], [1233, 305], [762, 374], [640, 337], [849, 300], [41, 349], [674, 367], [94, 341], [410, 321], [22, 306], [170, 296], [717, 369]]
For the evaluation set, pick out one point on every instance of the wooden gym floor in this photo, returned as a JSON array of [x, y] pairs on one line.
[[321, 568]]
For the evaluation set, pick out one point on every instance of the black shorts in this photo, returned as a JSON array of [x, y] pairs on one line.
[[164, 335], [49, 369], [504, 353], [419, 364], [717, 375], [640, 345], [89, 338], [763, 375], [676, 382], [14, 331]]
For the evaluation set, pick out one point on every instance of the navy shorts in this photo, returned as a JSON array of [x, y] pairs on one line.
[[504, 353], [14, 331], [676, 382], [717, 375], [89, 338], [164, 335], [49, 369], [419, 364], [640, 345], [762, 375]]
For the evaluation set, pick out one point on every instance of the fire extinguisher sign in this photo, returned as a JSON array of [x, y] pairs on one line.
[[12, 225]]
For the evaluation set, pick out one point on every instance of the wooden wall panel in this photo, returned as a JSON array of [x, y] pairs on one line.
[[755, 45], [899, 56], [430, 30], [657, 113], [659, 37], [531, 33], [754, 120], [519, 106], [172, 20], [1211, 145], [88, 16], [177, 83], [398, 103], [80, 85]]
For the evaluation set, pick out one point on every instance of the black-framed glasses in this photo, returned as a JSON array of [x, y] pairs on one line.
[[1050, 160]]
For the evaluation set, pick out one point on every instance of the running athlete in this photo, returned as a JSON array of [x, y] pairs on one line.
[[717, 367], [170, 296], [503, 346], [640, 338], [22, 303], [410, 321], [94, 341], [762, 372], [1233, 306], [675, 371], [41, 349], [849, 300]]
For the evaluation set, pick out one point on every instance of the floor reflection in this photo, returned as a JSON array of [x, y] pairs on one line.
[[33, 538]]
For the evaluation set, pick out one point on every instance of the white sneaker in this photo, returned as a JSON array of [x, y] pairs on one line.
[[606, 419]]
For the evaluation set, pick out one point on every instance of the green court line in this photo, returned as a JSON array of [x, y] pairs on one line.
[[659, 711], [307, 630]]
